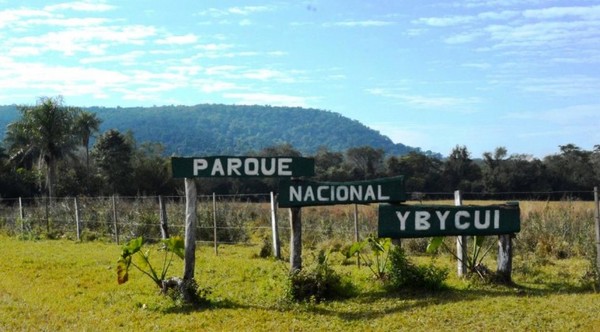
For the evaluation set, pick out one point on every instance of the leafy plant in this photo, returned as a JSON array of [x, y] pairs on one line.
[[173, 246], [474, 260], [317, 283], [404, 274], [379, 247]]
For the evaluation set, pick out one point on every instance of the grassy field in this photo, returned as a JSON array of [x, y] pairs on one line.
[[62, 285]]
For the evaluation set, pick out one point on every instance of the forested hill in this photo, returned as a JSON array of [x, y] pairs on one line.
[[210, 129]]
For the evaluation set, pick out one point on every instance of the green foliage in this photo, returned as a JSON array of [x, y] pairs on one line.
[[376, 258], [173, 246], [318, 282], [474, 259], [403, 274]]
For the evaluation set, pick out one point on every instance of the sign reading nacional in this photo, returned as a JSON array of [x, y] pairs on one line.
[[229, 166], [296, 193], [408, 221]]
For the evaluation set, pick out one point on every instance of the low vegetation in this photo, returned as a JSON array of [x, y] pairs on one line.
[[65, 285]]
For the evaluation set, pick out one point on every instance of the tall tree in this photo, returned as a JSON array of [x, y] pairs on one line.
[[86, 125], [459, 170], [113, 155], [365, 162], [45, 132]]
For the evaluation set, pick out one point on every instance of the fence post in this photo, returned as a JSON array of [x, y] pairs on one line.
[[356, 235], [114, 213], [597, 215], [77, 220], [275, 230], [295, 239], [46, 202], [461, 243], [22, 216], [215, 240], [164, 229]]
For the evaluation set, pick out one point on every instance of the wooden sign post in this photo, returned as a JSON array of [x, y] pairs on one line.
[[296, 193], [237, 167]]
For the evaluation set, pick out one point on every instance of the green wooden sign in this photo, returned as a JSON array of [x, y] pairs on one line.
[[230, 166], [295, 193], [408, 221]]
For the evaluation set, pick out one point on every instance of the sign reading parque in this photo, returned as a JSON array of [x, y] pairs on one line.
[[230, 166], [408, 221], [296, 193]]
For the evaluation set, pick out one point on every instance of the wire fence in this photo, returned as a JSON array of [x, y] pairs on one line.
[[235, 219], [564, 229]]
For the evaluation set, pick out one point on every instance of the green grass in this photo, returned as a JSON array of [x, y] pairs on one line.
[[61, 285]]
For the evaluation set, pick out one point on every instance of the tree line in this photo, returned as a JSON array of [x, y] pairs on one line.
[[47, 152]]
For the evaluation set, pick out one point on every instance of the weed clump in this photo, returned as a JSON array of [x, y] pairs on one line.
[[317, 283], [403, 274]]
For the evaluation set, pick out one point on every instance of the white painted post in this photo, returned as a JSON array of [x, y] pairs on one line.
[[597, 215], [77, 220], [276, 250], [461, 243], [214, 201], [164, 228], [190, 229]]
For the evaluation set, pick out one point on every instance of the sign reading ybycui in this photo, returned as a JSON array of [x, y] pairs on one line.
[[409, 221], [295, 193], [229, 166]]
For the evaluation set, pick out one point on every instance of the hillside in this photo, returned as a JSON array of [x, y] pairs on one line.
[[210, 129]]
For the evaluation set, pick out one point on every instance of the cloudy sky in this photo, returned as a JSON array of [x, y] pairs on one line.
[[523, 74]]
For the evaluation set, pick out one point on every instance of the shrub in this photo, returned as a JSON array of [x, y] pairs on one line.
[[404, 274], [317, 283]]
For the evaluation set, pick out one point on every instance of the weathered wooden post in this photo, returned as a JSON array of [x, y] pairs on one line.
[[461, 243], [505, 251], [77, 220], [597, 215], [164, 228], [275, 229], [296, 239], [190, 229]]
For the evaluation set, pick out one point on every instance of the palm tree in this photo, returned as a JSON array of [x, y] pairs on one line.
[[86, 124], [45, 132]]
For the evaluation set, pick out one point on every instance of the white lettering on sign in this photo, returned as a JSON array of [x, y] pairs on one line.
[[246, 166], [458, 216], [463, 220], [422, 220], [336, 193], [233, 164], [199, 165], [442, 218], [402, 218], [283, 167]]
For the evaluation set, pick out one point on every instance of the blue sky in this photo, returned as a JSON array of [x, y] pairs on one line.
[[523, 74]]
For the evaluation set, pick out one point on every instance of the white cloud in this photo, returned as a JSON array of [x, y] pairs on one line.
[[85, 6], [266, 99], [445, 103], [189, 38], [351, 24]]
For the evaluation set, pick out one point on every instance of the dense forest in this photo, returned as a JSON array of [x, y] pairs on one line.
[[57, 150], [208, 129]]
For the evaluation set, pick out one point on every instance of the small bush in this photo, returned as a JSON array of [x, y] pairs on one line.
[[317, 283], [404, 274]]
